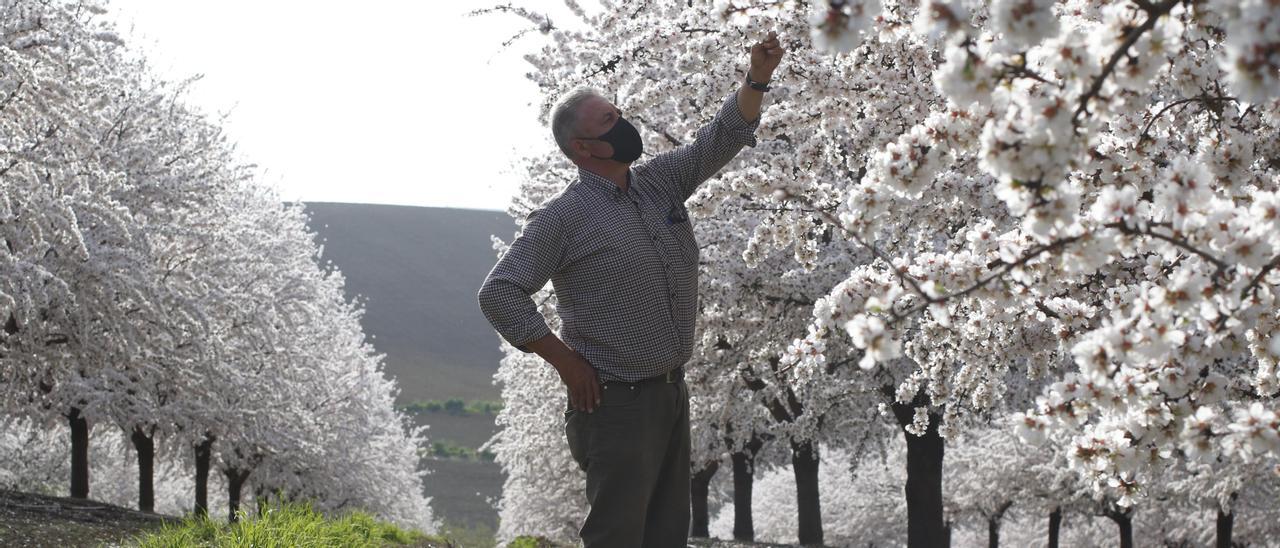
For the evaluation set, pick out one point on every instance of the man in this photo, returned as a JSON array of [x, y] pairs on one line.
[[619, 249]]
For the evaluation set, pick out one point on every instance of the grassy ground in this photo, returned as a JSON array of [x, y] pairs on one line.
[[29, 520], [293, 524]]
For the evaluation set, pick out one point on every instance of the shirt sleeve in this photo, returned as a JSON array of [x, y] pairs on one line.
[[715, 144], [505, 298]]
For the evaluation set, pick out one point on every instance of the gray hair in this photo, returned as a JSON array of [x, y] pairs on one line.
[[564, 117]]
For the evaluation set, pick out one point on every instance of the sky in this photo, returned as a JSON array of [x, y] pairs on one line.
[[381, 101]]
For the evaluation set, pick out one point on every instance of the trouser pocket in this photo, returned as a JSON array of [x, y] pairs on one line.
[[576, 433]]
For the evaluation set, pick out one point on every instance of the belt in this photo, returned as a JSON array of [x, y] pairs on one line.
[[672, 376]]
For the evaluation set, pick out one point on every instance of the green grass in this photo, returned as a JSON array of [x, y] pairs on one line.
[[476, 535], [454, 406], [448, 449], [288, 524], [532, 542]]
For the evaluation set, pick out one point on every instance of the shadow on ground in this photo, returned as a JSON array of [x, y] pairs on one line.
[[30, 520]]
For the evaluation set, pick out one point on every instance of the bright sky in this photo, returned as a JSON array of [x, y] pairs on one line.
[[380, 101]]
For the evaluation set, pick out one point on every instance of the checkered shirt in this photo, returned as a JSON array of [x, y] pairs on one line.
[[624, 265]]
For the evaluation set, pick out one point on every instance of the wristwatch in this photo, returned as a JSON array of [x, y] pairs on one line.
[[758, 86]]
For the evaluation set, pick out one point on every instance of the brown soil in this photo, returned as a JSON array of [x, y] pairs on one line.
[[30, 520]]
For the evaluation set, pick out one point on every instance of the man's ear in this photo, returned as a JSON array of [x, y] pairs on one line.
[[579, 148]]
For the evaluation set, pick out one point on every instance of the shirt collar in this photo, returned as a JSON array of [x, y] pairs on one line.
[[600, 183]]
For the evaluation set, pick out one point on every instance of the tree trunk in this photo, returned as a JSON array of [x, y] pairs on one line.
[[925, 526], [146, 448], [699, 488], [1123, 520], [743, 529], [1055, 524], [993, 524], [235, 484], [79, 454], [805, 462], [1225, 522], [203, 451]]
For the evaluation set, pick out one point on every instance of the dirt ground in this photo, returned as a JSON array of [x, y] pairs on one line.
[[29, 520]]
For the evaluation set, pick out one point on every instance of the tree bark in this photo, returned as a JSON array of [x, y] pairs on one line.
[[804, 463], [925, 527], [79, 454], [1123, 520], [993, 524], [700, 488], [1225, 523], [145, 445], [743, 528], [235, 484], [204, 450], [1055, 525]]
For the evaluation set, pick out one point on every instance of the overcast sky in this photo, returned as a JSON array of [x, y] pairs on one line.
[[380, 101]]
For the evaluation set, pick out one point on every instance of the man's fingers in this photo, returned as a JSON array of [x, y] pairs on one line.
[[575, 398]]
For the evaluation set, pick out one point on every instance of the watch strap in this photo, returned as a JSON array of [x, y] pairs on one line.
[[758, 86]]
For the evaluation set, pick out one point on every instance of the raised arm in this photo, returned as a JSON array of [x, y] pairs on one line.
[[765, 57], [732, 128]]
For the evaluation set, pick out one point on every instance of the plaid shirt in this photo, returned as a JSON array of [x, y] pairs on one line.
[[624, 265]]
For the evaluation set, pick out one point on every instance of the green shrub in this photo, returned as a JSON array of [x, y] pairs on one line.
[[476, 535], [453, 406], [532, 542], [287, 524], [449, 450]]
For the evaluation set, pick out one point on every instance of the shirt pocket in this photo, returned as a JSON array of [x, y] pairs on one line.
[[682, 231]]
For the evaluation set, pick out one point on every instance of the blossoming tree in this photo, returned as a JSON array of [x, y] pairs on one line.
[[148, 282]]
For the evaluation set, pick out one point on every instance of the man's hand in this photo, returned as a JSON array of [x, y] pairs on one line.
[[580, 378], [765, 57], [576, 373]]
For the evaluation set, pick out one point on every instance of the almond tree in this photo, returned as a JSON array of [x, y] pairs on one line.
[[1073, 191], [147, 279]]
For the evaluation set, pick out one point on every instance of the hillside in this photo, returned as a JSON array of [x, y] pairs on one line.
[[417, 270]]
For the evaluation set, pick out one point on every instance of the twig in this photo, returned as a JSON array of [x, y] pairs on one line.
[[1154, 13], [1146, 130]]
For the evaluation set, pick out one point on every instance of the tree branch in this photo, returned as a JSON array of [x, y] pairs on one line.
[[1154, 13]]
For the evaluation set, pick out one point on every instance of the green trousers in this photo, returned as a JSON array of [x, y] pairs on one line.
[[635, 450]]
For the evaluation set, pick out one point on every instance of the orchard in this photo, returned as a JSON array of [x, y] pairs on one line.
[[165, 308], [1038, 235]]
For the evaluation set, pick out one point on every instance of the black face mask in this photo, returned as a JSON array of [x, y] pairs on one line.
[[625, 140]]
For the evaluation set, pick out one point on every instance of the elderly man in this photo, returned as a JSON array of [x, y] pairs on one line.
[[619, 249]]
